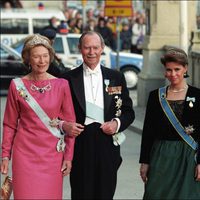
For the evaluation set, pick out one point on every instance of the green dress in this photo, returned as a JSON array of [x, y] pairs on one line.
[[172, 168]]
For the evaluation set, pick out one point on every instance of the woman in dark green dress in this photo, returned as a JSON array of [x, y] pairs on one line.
[[170, 167]]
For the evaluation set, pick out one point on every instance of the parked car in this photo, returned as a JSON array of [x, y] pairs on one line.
[[66, 47], [18, 23], [11, 67]]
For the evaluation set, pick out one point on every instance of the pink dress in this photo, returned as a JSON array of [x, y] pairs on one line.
[[36, 164]]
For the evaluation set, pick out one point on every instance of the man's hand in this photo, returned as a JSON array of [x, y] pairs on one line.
[[110, 127], [72, 129]]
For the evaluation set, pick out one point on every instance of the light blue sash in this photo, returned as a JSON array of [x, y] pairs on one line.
[[174, 121], [36, 108], [95, 112]]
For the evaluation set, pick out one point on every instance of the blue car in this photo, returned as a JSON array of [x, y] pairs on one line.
[[130, 64]]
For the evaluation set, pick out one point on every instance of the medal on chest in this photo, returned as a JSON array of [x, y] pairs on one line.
[[61, 145]]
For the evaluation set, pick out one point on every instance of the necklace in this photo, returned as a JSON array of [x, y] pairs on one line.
[[180, 90], [41, 89]]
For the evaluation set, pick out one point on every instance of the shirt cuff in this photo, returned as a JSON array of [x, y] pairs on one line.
[[118, 124]]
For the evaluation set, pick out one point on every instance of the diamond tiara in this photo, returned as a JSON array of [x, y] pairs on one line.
[[174, 52], [38, 40]]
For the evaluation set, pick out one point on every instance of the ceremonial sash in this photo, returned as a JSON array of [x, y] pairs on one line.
[[36, 108], [94, 112], [174, 121]]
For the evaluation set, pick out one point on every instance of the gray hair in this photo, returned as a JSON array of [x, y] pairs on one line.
[[91, 33]]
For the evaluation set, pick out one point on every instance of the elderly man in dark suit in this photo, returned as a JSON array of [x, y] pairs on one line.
[[103, 109]]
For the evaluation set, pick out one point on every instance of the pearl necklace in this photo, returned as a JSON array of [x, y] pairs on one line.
[[180, 90], [41, 89]]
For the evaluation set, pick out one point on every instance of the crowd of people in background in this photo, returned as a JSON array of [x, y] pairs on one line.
[[132, 29]]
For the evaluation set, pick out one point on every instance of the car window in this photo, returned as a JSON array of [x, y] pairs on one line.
[[39, 24], [73, 45], [18, 46], [14, 26], [5, 55], [58, 45]]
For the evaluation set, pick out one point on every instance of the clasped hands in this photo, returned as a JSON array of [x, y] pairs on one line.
[[74, 129]]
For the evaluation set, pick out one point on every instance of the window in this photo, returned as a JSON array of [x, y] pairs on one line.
[[73, 45], [58, 45], [39, 24], [14, 26]]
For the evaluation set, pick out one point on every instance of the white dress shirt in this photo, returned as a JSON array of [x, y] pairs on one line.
[[93, 85]]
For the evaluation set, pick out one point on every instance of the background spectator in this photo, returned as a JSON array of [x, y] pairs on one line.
[[105, 31], [125, 37], [138, 32]]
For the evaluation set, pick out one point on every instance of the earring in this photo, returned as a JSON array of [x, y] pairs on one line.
[[29, 67], [185, 75]]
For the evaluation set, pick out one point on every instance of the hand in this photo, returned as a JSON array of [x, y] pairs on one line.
[[4, 166], [66, 167], [110, 127], [72, 129], [143, 171], [197, 173]]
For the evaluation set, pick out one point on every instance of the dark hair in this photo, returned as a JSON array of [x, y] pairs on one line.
[[176, 55], [91, 33], [49, 33]]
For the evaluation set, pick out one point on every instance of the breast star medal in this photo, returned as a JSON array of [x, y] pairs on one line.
[[189, 129]]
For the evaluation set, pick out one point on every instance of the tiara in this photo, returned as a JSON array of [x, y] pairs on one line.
[[38, 40], [174, 52]]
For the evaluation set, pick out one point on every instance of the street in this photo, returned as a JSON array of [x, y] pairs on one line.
[[129, 185]]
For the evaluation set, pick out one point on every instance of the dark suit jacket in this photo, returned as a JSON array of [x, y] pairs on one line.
[[158, 127], [75, 78]]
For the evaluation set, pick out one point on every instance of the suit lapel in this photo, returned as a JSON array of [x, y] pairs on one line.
[[78, 87]]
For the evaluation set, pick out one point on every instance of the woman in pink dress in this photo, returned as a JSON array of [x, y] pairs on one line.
[[33, 140]]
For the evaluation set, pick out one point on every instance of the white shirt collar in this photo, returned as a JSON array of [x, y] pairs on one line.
[[88, 71]]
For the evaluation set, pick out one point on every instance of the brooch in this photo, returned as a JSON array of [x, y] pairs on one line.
[[191, 101], [163, 95], [189, 129], [54, 122], [22, 92]]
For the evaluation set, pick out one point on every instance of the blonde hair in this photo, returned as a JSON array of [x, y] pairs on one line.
[[33, 41]]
